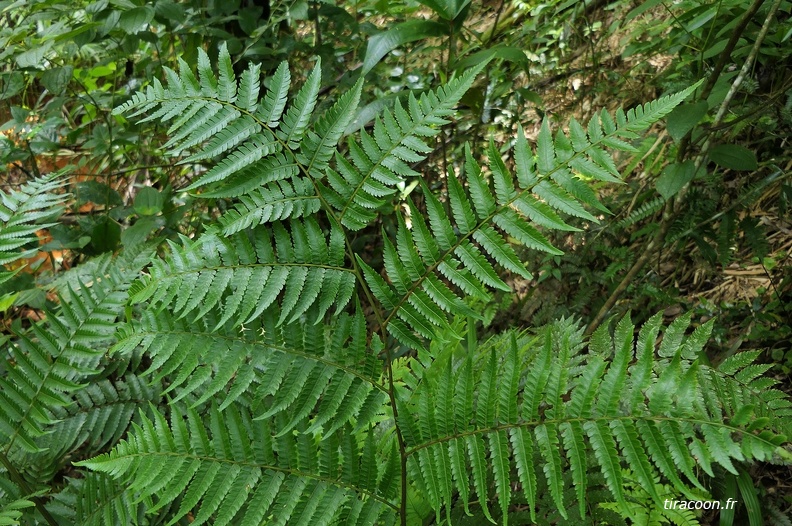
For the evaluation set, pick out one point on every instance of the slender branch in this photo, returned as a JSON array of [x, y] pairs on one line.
[[723, 59]]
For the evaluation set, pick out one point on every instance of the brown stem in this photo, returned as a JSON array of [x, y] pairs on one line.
[[730, 45], [646, 254]]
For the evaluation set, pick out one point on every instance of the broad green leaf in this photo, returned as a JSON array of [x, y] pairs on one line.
[[684, 118], [383, 43], [56, 79], [674, 177], [11, 83], [96, 192], [734, 157], [446, 9], [135, 20], [32, 58], [148, 201], [507, 53]]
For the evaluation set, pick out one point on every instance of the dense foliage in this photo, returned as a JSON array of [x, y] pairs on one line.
[[268, 263]]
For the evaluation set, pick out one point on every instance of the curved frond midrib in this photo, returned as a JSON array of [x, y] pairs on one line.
[[253, 265], [129, 457], [278, 348], [532, 424]]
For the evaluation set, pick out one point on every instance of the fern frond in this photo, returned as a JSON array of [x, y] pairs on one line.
[[298, 115], [11, 511], [378, 162], [320, 142], [297, 369], [585, 418], [223, 480], [644, 211], [274, 202], [99, 417], [463, 245], [244, 274], [96, 499], [240, 132], [25, 211], [644, 115], [45, 366]]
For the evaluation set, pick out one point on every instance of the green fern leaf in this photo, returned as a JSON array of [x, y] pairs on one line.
[[46, 366], [297, 117], [275, 202], [476, 454], [96, 500], [199, 274], [545, 151], [23, 212], [667, 437], [318, 146], [206, 467], [397, 137]]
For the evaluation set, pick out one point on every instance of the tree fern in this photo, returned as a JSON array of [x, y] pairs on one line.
[[416, 301], [277, 399]]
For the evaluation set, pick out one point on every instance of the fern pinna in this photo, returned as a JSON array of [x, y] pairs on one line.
[[273, 392]]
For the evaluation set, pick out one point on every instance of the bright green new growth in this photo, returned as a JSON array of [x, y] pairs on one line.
[[267, 396]]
